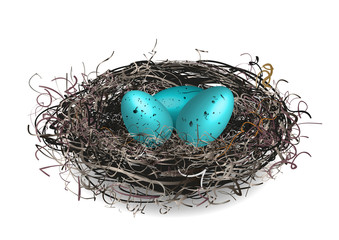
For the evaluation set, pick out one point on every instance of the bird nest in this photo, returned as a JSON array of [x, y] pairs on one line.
[[85, 134]]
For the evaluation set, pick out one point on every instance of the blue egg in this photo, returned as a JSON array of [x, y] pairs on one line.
[[205, 116], [175, 98], [145, 118]]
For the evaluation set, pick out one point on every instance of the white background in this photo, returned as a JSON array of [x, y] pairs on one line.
[[299, 38]]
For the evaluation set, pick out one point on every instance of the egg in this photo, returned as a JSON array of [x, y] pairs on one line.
[[205, 116], [175, 98], [145, 118]]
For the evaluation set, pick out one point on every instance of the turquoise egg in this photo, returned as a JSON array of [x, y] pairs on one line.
[[205, 116], [145, 118], [175, 98]]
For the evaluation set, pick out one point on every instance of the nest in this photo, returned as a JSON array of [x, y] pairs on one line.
[[86, 135]]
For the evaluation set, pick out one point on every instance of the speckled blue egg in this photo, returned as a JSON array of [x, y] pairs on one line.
[[145, 118], [175, 98], [205, 116]]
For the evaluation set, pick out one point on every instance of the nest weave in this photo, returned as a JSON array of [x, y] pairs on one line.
[[87, 130]]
